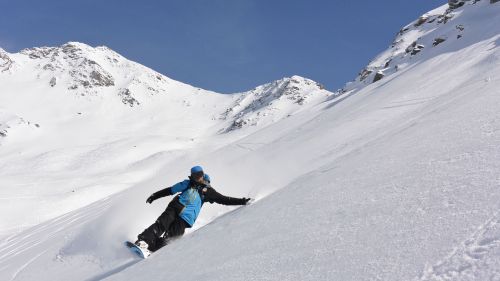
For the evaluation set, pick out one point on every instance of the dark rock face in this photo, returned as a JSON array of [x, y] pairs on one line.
[[438, 41], [414, 48], [127, 98], [378, 76], [421, 20], [445, 17], [101, 79], [387, 63], [456, 3], [53, 82], [403, 30], [237, 124], [364, 74], [494, 1]]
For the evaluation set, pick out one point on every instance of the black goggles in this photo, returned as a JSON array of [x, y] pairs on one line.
[[197, 175]]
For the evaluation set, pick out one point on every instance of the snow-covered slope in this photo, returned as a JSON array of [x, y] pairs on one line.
[[392, 180]]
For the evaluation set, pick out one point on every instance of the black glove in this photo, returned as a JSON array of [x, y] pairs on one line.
[[246, 200], [151, 198]]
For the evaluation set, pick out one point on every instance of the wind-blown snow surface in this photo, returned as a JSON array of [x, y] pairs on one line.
[[397, 180]]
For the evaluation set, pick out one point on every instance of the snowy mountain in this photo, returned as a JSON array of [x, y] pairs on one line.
[[442, 28], [274, 101], [395, 179], [100, 75]]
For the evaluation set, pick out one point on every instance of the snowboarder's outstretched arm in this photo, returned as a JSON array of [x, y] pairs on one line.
[[178, 187], [212, 196], [159, 194]]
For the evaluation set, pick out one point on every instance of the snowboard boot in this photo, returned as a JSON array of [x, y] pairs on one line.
[[143, 248], [142, 245]]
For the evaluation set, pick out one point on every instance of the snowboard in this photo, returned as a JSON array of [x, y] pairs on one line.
[[138, 251]]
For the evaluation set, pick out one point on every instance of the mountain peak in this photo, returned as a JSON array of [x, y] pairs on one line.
[[296, 78], [274, 100], [82, 70], [297, 81], [76, 44]]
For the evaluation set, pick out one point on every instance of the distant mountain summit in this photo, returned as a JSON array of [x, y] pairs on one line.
[[83, 70], [274, 100]]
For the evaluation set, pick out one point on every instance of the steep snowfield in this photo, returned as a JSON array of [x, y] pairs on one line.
[[393, 180]]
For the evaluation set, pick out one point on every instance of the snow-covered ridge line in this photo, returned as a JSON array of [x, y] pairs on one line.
[[92, 72]]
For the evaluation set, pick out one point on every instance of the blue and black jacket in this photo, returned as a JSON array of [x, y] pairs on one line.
[[192, 196]]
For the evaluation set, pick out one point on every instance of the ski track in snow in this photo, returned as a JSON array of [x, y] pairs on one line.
[[478, 258], [14, 277]]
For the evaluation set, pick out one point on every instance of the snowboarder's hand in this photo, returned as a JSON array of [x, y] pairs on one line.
[[247, 200], [151, 199]]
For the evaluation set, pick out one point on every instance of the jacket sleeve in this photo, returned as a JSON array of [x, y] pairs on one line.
[[178, 187], [162, 193], [213, 196]]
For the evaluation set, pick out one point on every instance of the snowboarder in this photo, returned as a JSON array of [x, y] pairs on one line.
[[183, 210]]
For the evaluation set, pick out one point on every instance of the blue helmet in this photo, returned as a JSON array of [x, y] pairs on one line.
[[196, 169]]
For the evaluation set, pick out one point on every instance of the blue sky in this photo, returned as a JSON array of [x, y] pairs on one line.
[[221, 45]]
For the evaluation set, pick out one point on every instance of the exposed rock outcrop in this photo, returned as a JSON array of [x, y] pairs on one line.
[[414, 48], [53, 82], [456, 3], [438, 41], [5, 61], [378, 76], [421, 20], [127, 98]]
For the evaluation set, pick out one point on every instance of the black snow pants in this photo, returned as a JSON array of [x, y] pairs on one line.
[[168, 225]]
